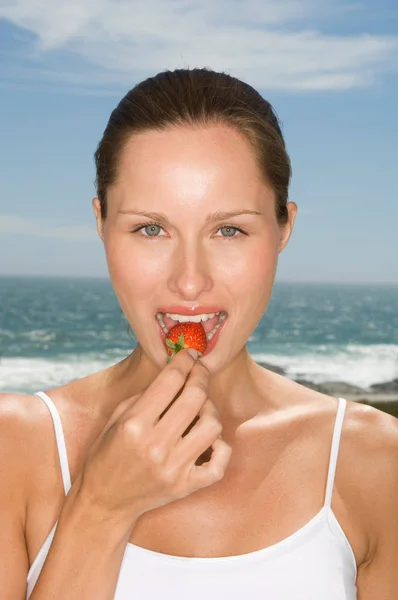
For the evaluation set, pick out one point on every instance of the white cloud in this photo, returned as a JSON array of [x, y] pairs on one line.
[[15, 225], [269, 43]]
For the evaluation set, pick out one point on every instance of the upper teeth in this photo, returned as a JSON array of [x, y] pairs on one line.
[[188, 318]]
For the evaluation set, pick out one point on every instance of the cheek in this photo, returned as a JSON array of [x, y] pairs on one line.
[[256, 286], [253, 268], [264, 263], [128, 268]]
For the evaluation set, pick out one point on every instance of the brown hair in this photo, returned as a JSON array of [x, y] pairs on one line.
[[196, 97]]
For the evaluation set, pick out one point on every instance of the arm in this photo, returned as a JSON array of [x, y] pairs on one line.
[[378, 577], [14, 561], [85, 557]]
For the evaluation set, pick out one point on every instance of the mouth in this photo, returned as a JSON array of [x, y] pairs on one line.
[[211, 322]]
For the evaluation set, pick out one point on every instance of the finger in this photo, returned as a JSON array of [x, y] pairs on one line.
[[162, 391], [186, 407], [214, 470], [120, 409], [202, 435]]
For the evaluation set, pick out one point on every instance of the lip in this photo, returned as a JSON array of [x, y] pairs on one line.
[[186, 311]]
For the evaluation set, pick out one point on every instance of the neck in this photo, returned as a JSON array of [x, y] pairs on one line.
[[238, 390]]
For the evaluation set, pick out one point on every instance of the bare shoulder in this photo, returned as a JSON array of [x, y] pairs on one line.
[[20, 416], [26, 441], [368, 468], [16, 408], [371, 436], [21, 420], [366, 485], [370, 444], [374, 429], [16, 432]]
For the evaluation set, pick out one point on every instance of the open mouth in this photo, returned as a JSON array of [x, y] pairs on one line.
[[211, 322]]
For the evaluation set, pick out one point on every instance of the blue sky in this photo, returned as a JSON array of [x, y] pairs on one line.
[[329, 68]]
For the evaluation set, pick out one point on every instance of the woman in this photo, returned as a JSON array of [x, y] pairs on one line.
[[193, 211]]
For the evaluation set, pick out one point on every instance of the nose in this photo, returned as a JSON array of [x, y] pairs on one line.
[[190, 273]]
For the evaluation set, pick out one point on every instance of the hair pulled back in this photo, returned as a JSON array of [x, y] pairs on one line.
[[196, 97]]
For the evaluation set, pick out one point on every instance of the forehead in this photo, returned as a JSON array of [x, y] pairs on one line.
[[213, 151], [184, 167]]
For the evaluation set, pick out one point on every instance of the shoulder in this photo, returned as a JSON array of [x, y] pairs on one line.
[[22, 419], [369, 470], [374, 428], [20, 415], [25, 424], [374, 434], [371, 461], [366, 481], [16, 429]]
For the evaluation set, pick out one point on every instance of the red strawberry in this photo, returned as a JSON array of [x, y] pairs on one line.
[[186, 335]]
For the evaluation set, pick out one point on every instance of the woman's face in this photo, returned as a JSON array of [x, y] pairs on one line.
[[194, 255]]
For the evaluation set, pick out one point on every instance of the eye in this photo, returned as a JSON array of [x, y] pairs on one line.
[[230, 230], [153, 228]]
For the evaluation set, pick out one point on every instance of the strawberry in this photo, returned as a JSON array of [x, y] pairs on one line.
[[186, 335]]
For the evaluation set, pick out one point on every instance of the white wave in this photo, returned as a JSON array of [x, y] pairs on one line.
[[29, 375], [38, 335], [355, 364]]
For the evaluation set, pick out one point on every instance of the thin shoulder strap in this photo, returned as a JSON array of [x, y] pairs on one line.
[[59, 435], [335, 449]]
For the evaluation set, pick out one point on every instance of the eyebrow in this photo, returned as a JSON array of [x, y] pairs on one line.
[[217, 216]]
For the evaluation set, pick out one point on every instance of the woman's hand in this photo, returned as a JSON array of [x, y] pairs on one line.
[[145, 456]]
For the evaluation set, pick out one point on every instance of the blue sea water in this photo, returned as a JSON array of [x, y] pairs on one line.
[[55, 330]]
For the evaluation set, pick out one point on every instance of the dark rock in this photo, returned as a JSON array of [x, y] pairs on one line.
[[333, 388], [387, 386], [273, 368], [309, 384], [341, 387]]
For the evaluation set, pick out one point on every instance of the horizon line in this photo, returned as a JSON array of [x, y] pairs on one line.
[[276, 282]]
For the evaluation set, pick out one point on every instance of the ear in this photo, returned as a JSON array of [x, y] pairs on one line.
[[287, 229], [100, 223]]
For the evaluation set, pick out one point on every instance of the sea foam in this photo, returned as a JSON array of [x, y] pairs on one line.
[[354, 364]]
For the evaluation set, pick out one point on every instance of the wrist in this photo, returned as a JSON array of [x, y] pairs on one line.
[[86, 515]]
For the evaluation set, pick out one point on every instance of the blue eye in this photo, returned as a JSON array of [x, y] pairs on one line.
[[229, 228], [152, 227]]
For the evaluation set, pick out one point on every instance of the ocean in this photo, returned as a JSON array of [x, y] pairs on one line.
[[55, 330]]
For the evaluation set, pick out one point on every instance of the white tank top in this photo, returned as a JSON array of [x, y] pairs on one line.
[[314, 563]]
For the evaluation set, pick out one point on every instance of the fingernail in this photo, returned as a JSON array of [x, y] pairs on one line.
[[193, 353]]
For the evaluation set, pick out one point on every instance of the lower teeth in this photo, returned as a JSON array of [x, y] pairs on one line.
[[211, 333]]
